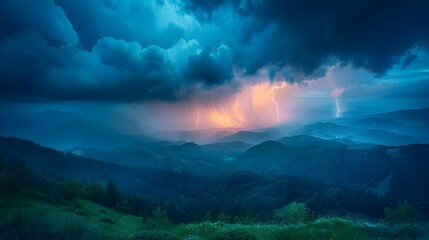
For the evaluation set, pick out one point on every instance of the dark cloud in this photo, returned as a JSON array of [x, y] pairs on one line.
[[371, 34], [43, 17], [204, 8], [113, 70], [211, 68], [134, 50], [130, 20], [102, 50], [93, 20]]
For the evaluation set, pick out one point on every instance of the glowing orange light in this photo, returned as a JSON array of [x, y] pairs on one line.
[[219, 118], [260, 96], [238, 112], [253, 107]]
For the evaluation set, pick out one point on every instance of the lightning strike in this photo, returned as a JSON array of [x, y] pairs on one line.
[[338, 108], [198, 119], [273, 99]]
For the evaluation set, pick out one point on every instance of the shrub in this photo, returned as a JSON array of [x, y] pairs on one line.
[[224, 218], [234, 234], [244, 220], [159, 219], [404, 212], [95, 191], [293, 213], [200, 229], [207, 217], [155, 235], [68, 189], [113, 195]]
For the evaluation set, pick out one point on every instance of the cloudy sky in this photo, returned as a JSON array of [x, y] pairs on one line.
[[192, 64]]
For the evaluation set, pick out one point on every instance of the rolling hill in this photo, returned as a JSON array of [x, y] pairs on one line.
[[329, 165], [60, 165], [259, 177]]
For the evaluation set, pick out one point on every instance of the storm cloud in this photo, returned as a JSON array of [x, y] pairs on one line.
[[114, 50], [306, 34]]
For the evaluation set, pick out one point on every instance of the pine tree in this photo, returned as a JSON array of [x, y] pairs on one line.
[[113, 195]]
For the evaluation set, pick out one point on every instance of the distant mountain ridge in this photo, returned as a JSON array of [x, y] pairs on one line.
[[65, 130], [307, 141], [247, 137], [324, 130], [46, 127], [410, 115]]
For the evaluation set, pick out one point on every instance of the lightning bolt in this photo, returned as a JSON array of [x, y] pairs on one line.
[[273, 99], [198, 119], [338, 108]]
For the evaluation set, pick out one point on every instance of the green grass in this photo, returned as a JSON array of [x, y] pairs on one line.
[[325, 228], [82, 219], [22, 217]]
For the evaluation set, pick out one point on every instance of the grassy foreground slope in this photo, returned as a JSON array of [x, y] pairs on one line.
[[24, 217]]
